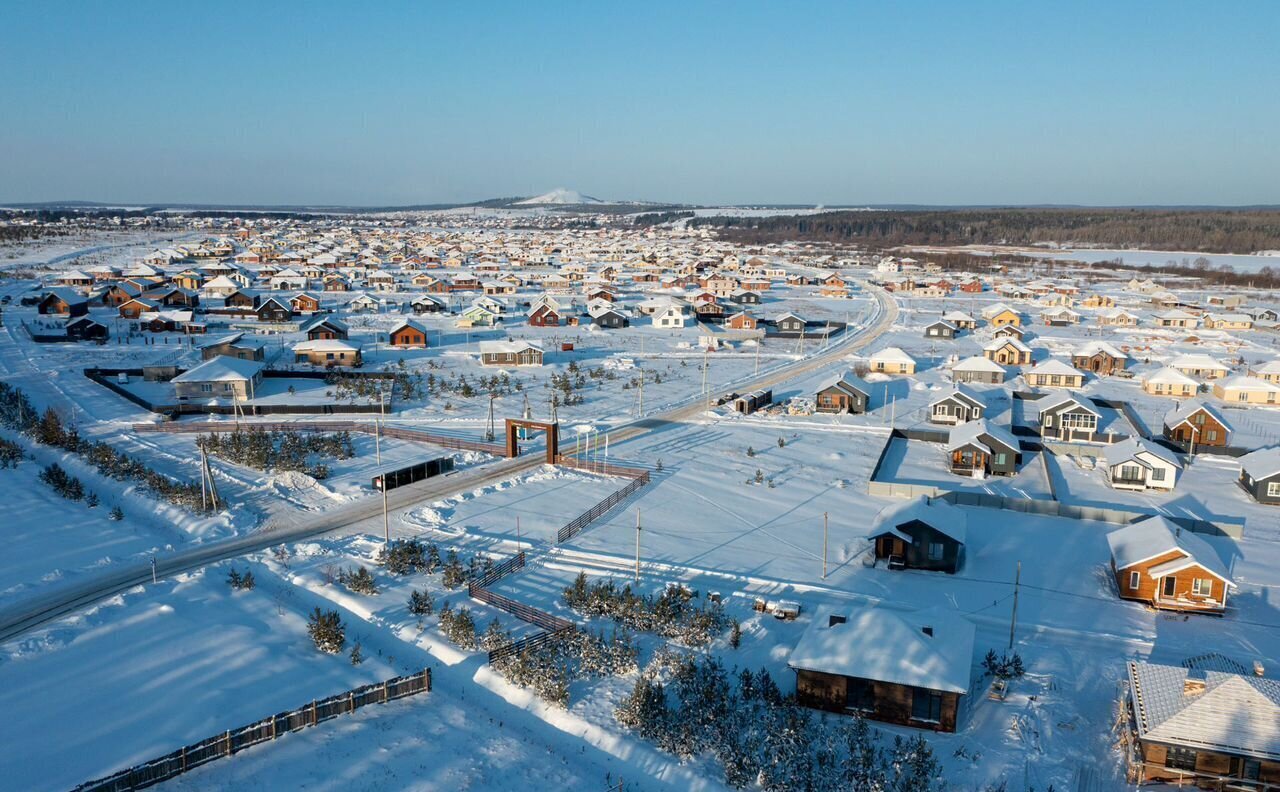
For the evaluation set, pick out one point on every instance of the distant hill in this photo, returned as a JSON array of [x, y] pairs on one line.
[[560, 197]]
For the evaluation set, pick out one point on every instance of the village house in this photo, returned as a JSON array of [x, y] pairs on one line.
[[408, 334], [671, 316], [1007, 352], [1230, 321], [328, 353], [1053, 373], [940, 329], [1170, 382], [1160, 563], [1267, 372], [1199, 365], [978, 448], [789, 324], [1118, 317], [959, 320], [1000, 315], [510, 353], [62, 302], [234, 345], [544, 315], [1247, 390], [320, 328], [1067, 418], [892, 360], [1260, 475], [220, 377], [1100, 358], [922, 533], [959, 406], [1136, 464], [1194, 424], [1098, 301], [1177, 318], [274, 309], [846, 393], [1059, 316], [978, 369], [1216, 728], [917, 677]]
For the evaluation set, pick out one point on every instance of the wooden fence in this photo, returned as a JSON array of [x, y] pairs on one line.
[[525, 613], [600, 509], [365, 427], [527, 644], [233, 740], [499, 571]]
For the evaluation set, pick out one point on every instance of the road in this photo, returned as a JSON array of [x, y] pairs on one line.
[[34, 611]]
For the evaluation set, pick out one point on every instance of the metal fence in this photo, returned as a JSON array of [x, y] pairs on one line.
[[412, 435], [600, 509], [233, 740], [528, 644], [525, 613], [498, 571]]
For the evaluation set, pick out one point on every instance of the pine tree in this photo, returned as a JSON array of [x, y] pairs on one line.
[[751, 451], [233, 578], [420, 603], [327, 631], [356, 657], [360, 581], [735, 634], [116, 514], [782, 443], [91, 500], [246, 581]]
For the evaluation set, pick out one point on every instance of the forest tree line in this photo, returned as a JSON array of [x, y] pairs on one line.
[[1207, 231]]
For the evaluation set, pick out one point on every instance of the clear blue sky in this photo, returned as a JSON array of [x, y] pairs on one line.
[[854, 102]]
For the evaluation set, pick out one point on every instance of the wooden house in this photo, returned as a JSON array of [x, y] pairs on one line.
[[978, 369], [959, 320], [1170, 382], [978, 449], [1166, 566], [1203, 725], [510, 353], [1193, 424], [62, 302], [922, 533], [220, 377], [274, 309], [846, 393], [84, 328], [304, 303], [940, 329], [545, 315], [1247, 390], [959, 406], [921, 668], [328, 353], [408, 335], [1007, 352], [233, 345], [892, 360], [1100, 358], [324, 328]]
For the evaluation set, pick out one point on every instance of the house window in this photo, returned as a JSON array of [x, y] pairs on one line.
[[1170, 584], [935, 551], [206, 387], [1202, 587], [1130, 473], [859, 694], [1211, 435], [999, 459], [926, 705], [1134, 577], [1273, 489], [1157, 474], [1180, 759]]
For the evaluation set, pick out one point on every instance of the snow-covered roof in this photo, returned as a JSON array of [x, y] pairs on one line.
[[936, 513], [1233, 714], [1181, 412], [1169, 376], [1152, 537], [221, 369], [507, 347], [1062, 399], [1004, 341], [964, 393], [1094, 347], [971, 432], [1244, 383], [1054, 367], [1196, 361], [893, 355], [889, 646], [1270, 367], [1133, 449], [1261, 464], [326, 345], [978, 363], [848, 381]]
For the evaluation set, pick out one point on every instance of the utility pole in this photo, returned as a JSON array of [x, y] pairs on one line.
[[637, 545], [377, 440], [386, 523], [824, 545], [154, 579], [488, 433], [1013, 620], [704, 374]]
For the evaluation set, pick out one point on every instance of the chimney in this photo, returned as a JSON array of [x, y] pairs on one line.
[[1193, 685], [927, 631], [835, 619], [1258, 670]]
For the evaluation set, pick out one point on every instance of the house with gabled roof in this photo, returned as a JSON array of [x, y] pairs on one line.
[[921, 533], [892, 360], [408, 334], [1053, 373], [1067, 418], [1099, 357], [1007, 352], [961, 405], [1260, 475], [978, 448], [1194, 423], [846, 393], [978, 369], [922, 666], [1137, 464], [1158, 562], [1169, 381]]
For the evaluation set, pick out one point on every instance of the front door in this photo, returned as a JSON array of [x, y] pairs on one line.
[[1169, 585]]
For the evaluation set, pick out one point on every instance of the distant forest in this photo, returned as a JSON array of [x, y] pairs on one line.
[[1205, 231]]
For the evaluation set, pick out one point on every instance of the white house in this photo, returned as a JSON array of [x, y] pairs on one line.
[[1137, 464]]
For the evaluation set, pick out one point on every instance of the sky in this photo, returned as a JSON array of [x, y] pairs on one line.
[[839, 103]]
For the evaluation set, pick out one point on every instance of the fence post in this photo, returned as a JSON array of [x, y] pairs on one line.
[[351, 701], [384, 691], [313, 712], [229, 742]]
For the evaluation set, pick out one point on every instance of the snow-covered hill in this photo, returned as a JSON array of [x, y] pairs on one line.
[[559, 196]]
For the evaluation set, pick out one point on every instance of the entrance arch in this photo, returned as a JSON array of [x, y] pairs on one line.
[[553, 436]]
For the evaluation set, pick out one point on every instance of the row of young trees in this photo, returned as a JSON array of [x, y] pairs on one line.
[[408, 556], [548, 668], [676, 613], [691, 706], [16, 413], [279, 450]]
